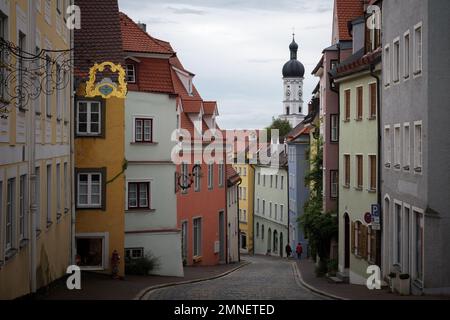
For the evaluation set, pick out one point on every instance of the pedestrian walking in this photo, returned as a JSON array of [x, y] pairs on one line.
[[299, 250], [288, 250]]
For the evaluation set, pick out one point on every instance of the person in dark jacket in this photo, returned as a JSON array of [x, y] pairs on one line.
[[288, 250]]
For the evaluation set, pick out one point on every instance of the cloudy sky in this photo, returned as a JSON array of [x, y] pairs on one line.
[[237, 48]]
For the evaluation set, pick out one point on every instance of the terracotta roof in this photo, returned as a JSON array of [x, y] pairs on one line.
[[192, 106], [297, 132], [232, 176], [152, 75], [138, 40], [347, 10], [177, 64], [356, 62], [210, 107], [181, 91], [99, 39]]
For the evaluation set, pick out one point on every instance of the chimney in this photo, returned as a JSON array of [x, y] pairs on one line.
[[143, 26]]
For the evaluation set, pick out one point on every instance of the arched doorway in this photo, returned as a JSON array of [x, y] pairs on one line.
[[275, 241], [269, 240], [281, 244], [347, 241]]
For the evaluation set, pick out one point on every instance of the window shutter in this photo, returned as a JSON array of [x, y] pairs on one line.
[[353, 244], [363, 242]]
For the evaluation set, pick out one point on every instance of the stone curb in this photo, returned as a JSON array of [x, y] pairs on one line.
[[141, 295], [312, 288]]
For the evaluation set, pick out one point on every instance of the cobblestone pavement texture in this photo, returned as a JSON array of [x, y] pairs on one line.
[[266, 278]]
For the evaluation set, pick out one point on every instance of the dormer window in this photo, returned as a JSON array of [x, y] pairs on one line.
[[190, 87], [131, 73]]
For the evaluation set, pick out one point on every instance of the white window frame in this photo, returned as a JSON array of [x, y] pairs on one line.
[[48, 190], [396, 60], [88, 118], [89, 190], [23, 206], [197, 236], [406, 147], [10, 214], [131, 250], [210, 176], [334, 183], [387, 66], [221, 167], [418, 156], [138, 197], [397, 257], [281, 212], [387, 146], [418, 59], [406, 55], [397, 146], [131, 72], [58, 191], [135, 132], [406, 238], [37, 197], [334, 119], [417, 211], [257, 205]]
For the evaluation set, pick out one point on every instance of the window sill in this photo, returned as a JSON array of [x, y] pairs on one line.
[[137, 210], [372, 190], [346, 120], [197, 259], [372, 118], [397, 167], [49, 224], [49, 116], [346, 186], [418, 169], [81, 135], [387, 165], [358, 119], [9, 254], [144, 143], [38, 113], [23, 243], [359, 188]]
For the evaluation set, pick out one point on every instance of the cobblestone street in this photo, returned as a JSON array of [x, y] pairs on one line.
[[266, 278]]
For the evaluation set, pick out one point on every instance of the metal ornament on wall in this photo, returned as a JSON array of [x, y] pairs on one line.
[[185, 181], [25, 76]]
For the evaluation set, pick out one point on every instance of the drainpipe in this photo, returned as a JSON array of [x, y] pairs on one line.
[[31, 141], [238, 221], [372, 73], [72, 153]]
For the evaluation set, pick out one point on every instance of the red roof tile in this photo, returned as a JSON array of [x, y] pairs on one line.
[[210, 107], [192, 106], [347, 10], [152, 75], [99, 39], [138, 40], [232, 176]]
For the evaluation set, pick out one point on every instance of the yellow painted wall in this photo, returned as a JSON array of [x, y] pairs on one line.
[[54, 240], [106, 152], [248, 202]]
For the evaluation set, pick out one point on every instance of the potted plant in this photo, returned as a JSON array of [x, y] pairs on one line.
[[404, 284], [392, 277]]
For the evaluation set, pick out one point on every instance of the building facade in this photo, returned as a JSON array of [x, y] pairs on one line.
[[298, 166], [246, 200], [358, 80], [416, 144], [233, 182], [35, 158], [271, 207], [100, 161], [150, 120]]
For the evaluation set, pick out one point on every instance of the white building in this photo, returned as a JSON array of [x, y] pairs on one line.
[[150, 119], [271, 208]]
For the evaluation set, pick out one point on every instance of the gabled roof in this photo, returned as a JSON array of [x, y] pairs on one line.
[[210, 107], [318, 66], [347, 10], [192, 106], [297, 132], [99, 39], [357, 62], [232, 176], [138, 40]]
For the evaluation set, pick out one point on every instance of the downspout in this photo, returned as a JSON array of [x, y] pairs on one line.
[[72, 152], [238, 220], [288, 203], [32, 159], [372, 73]]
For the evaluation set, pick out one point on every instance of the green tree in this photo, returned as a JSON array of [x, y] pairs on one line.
[[283, 126], [319, 228]]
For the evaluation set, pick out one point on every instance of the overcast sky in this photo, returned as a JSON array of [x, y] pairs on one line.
[[237, 48]]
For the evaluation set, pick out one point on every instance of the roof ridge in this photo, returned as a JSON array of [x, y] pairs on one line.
[[154, 40]]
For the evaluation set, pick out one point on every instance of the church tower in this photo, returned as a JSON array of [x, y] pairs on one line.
[[293, 75]]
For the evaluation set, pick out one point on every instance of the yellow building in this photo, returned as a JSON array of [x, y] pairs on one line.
[[246, 199], [100, 161], [35, 160]]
